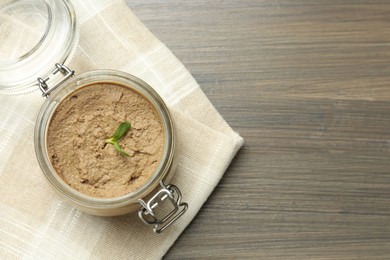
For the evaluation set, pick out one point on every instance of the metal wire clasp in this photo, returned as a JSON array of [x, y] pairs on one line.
[[42, 83], [148, 214]]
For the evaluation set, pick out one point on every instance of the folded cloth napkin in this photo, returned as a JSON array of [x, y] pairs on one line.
[[35, 223]]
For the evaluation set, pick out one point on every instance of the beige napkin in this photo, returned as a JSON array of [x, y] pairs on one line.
[[35, 223]]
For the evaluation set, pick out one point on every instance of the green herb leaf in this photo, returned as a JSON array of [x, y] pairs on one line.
[[119, 149], [122, 129]]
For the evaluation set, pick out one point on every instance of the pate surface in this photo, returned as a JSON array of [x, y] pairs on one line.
[[77, 133]]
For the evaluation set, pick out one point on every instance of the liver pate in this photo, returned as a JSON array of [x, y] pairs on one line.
[[76, 140]]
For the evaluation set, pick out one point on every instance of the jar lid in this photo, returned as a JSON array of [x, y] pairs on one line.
[[36, 34]]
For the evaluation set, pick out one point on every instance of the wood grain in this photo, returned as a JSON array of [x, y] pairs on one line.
[[307, 84]]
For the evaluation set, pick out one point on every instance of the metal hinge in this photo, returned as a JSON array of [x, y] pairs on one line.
[[165, 217], [42, 83]]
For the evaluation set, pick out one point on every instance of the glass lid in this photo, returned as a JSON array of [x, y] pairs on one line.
[[34, 35]]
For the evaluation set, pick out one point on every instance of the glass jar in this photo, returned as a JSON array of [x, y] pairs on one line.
[[158, 204], [36, 34]]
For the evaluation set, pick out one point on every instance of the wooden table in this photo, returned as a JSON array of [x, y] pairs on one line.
[[307, 84]]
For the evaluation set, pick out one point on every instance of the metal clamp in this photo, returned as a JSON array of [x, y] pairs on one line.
[[42, 83], [148, 214]]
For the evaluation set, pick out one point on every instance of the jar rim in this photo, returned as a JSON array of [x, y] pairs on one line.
[[113, 77], [19, 75]]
